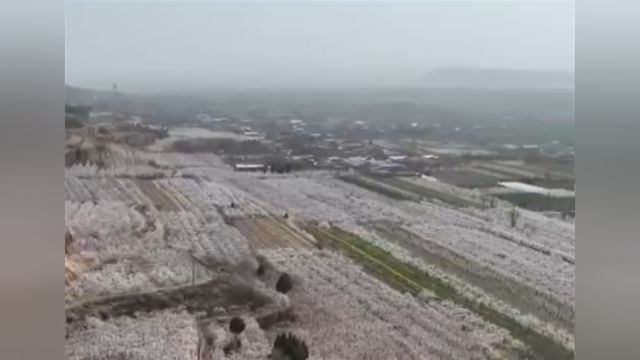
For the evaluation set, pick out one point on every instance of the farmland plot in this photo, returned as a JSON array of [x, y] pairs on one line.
[[472, 196], [551, 233], [223, 195], [333, 201], [132, 233], [125, 246], [111, 228], [176, 193], [159, 198], [207, 236], [548, 274], [381, 187], [133, 247], [493, 175], [123, 261], [507, 170], [162, 268], [405, 275], [503, 287], [104, 188], [340, 305], [466, 177], [503, 252], [163, 335], [173, 160], [122, 157], [431, 193], [75, 189], [271, 233], [324, 198], [81, 170], [208, 195]]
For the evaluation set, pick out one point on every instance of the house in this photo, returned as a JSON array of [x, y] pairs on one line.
[[204, 118], [249, 167], [430, 157], [397, 157]]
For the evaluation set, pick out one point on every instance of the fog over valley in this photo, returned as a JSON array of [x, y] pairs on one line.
[[155, 47]]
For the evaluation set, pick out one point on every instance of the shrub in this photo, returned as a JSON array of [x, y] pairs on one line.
[[236, 325], [284, 284], [289, 347]]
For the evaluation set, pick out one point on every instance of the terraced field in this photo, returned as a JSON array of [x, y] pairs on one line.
[[381, 268], [409, 278], [347, 314]]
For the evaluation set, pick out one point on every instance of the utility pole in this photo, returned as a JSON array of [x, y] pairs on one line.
[[199, 347], [193, 270]]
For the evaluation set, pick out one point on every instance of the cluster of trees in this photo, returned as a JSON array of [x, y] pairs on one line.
[[75, 116], [77, 110], [76, 156], [157, 132], [72, 122], [220, 146]]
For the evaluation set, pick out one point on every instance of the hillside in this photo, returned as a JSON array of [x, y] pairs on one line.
[[499, 78]]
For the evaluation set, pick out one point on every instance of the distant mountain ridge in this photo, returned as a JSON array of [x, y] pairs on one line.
[[498, 78]]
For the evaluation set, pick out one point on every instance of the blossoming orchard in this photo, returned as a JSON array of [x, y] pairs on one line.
[[164, 249]]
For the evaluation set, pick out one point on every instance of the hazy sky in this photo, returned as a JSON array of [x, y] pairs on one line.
[[170, 45]]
